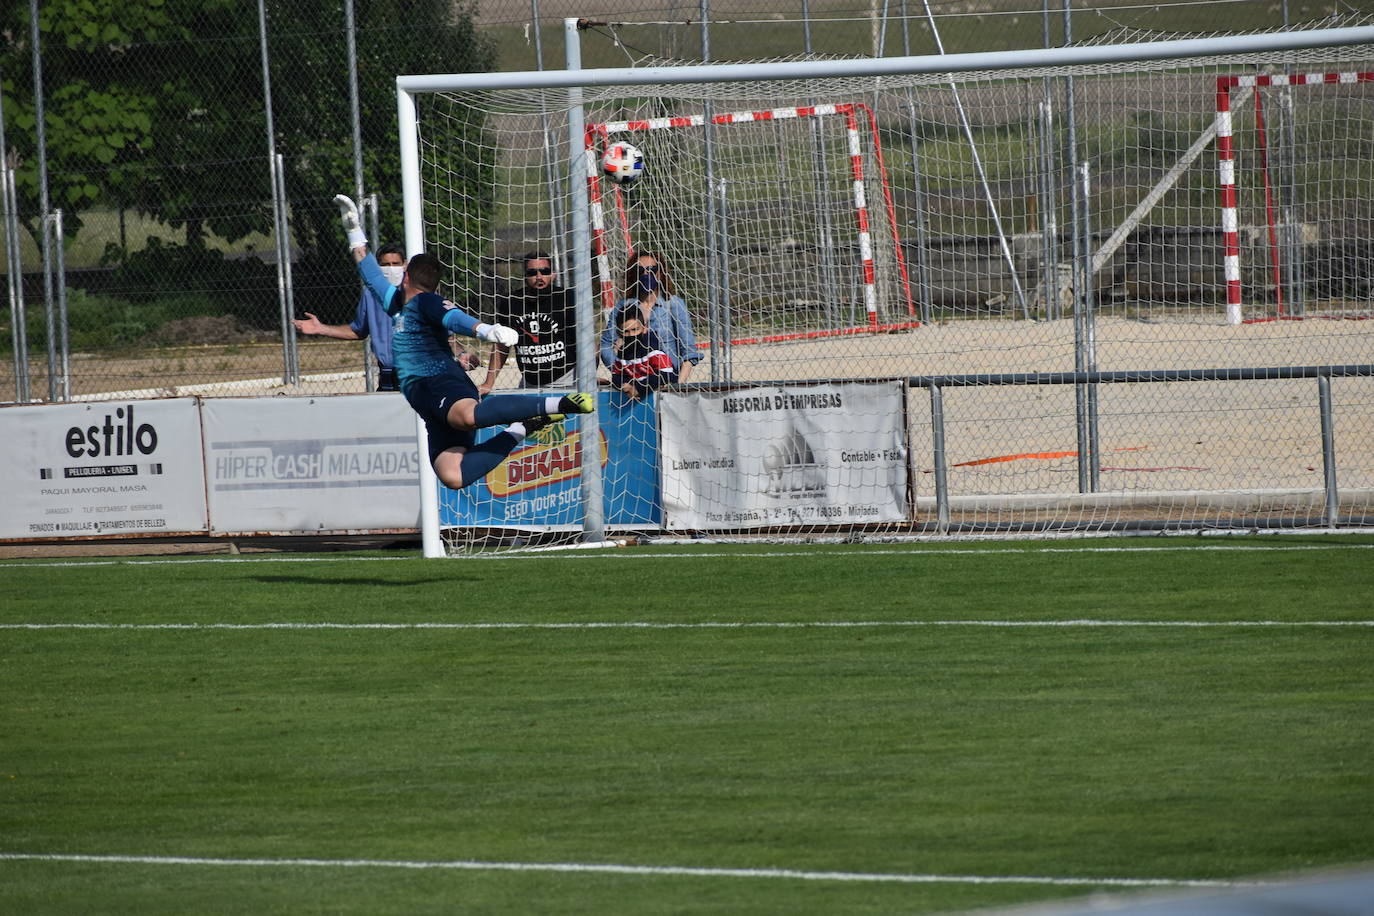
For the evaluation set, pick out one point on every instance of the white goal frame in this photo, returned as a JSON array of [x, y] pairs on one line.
[[573, 79]]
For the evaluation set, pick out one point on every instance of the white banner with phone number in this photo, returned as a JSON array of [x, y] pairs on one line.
[[795, 455]]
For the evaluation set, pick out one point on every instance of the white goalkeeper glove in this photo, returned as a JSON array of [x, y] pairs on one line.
[[348, 213], [498, 334]]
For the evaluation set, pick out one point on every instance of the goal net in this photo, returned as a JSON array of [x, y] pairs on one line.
[[922, 302], [744, 186]]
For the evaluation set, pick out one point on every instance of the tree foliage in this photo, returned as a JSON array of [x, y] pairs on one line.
[[157, 106], [393, 37]]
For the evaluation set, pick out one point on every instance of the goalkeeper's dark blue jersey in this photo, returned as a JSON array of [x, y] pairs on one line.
[[420, 345]]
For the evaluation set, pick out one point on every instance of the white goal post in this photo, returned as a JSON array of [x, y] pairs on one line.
[[1014, 404]]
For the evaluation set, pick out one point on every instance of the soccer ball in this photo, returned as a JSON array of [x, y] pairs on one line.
[[622, 163]]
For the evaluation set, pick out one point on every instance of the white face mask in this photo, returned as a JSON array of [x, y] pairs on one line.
[[394, 274]]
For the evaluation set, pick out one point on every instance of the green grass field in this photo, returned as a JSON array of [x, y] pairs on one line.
[[865, 729]]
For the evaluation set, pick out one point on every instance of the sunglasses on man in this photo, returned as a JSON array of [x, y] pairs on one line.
[[538, 271]]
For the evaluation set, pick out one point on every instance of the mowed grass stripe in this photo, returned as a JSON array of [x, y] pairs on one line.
[[705, 625], [708, 551], [1211, 754], [815, 585], [614, 869]]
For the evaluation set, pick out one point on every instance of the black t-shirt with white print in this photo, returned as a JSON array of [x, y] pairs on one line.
[[547, 323]]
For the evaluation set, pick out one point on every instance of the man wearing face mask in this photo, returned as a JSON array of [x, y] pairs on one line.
[[545, 314], [649, 289], [378, 303], [370, 321]]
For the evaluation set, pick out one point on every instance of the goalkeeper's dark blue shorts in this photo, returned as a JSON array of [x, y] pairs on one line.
[[432, 397]]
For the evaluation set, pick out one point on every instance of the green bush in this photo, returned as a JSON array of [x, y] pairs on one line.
[[202, 278], [100, 322]]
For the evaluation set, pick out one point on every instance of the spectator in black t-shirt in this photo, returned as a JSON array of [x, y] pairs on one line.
[[545, 315]]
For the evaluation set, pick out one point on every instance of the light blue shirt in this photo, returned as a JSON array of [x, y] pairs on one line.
[[670, 324], [371, 321]]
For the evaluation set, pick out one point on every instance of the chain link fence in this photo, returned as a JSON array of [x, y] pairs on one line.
[[170, 166]]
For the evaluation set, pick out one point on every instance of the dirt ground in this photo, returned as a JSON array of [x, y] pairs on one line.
[[335, 367], [331, 367]]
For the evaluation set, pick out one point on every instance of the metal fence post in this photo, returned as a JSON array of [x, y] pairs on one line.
[[285, 297], [1049, 207], [40, 126], [718, 321], [1088, 442], [15, 275], [367, 209], [727, 371], [354, 109], [918, 214], [937, 438], [278, 194], [64, 348], [355, 116], [49, 311], [1328, 451]]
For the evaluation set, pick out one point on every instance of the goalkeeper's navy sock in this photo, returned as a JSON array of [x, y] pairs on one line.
[[507, 408], [480, 460]]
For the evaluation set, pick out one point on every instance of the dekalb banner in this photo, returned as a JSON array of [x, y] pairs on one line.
[[826, 454], [102, 469], [540, 484]]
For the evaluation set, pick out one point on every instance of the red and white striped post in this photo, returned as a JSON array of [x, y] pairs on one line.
[[1226, 164], [598, 218], [1230, 226]]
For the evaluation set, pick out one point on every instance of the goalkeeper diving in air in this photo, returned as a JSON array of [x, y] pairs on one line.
[[434, 385]]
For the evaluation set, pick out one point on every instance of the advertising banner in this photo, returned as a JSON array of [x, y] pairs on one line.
[[827, 454], [304, 465], [102, 469], [540, 484]]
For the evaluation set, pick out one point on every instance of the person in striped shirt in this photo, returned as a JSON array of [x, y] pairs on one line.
[[640, 364]]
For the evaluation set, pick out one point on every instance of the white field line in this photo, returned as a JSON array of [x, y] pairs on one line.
[[645, 870], [621, 556], [700, 625]]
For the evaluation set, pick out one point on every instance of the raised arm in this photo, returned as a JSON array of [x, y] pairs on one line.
[[368, 268], [353, 227], [435, 309], [376, 281]]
